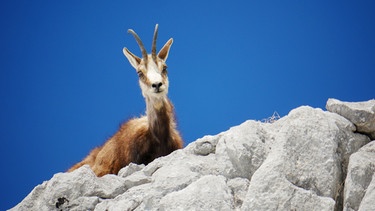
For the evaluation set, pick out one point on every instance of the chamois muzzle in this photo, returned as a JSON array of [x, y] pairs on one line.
[[157, 87]]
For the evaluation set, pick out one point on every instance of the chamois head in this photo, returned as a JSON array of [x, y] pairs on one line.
[[151, 68]]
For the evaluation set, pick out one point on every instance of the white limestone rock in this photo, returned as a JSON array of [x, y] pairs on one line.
[[362, 114], [304, 167], [239, 187], [367, 202], [207, 193], [130, 169], [359, 193], [77, 190], [243, 149]]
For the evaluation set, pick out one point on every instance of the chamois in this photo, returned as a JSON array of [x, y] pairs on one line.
[[141, 140]]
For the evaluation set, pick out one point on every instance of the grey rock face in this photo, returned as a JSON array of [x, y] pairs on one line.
[[207, 193], [362, 114], [359, 193], [79, 190], [305, 162], [299, 162]]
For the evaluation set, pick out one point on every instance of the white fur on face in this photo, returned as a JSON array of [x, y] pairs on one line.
[[153, 75]]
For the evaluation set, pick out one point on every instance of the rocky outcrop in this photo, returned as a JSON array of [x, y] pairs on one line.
[[359, 192], [308, 160], [362, 114]]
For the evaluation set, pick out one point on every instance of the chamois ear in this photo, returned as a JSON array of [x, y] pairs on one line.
[[133, 59], [164, 51]]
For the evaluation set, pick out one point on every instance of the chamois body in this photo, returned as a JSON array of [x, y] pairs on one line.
[[141, 140]]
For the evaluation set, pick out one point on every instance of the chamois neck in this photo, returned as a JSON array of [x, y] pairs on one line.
[[160, 117]]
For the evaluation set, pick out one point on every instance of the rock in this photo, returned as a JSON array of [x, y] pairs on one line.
[[305, 162], [239, 188], [130, 169], [367, 202], [243, 149], [78, 190], [298, 162], [362, 114], [207, 193], [359, 193], [203, 146]]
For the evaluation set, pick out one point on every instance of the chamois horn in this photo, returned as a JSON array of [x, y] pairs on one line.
[[139, 41], [153, 49]]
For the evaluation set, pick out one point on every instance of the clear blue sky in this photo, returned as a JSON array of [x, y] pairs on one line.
[[65, 86]]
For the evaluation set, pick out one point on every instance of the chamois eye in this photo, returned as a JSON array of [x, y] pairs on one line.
[[140, 74], [164, 71]]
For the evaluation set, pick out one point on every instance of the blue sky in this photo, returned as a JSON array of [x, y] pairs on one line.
[[65, 85]]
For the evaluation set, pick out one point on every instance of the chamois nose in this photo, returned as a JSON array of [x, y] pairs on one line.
[[157, 85]]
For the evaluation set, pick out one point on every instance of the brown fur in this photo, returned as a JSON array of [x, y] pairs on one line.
[[140, 140]]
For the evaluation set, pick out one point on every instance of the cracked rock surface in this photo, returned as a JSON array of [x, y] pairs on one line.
[[362, 114], [308, 160]]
